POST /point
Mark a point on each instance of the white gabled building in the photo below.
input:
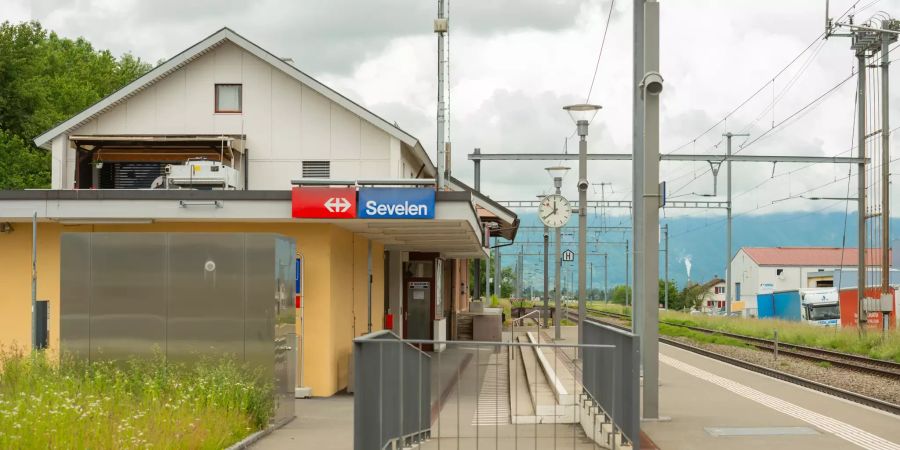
(789, 268)
(264, 123)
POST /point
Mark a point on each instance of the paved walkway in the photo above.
(470, 409)
(714, 405)
(321, 424)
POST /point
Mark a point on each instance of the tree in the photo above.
(674, 295)
(45, 79)
(691, 297)
(618, 294)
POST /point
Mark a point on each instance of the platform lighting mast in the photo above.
(442, 28)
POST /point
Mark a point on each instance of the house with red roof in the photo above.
(788, 268)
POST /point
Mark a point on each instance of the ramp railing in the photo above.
(612, 378)
(391, 404)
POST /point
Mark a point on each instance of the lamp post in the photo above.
(582, 114)
(557, 173)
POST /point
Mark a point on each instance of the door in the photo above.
(418, 309)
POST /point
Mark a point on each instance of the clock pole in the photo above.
(557, 315)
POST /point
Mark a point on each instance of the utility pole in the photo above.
(591, 277)
(886, 39)
(861, 188)
(477, 269)
(605, 280)
(546, 277)
(627, 281)
(651, 88)
(728, 136)
(557, 316)
(498, 287)
(442, 28)
(666, 285)
(34, 341)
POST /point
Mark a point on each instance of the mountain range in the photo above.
(696, 244)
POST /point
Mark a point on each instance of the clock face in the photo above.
(555, 211)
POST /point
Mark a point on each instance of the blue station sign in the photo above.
(395, 203)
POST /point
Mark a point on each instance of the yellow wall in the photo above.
(335, 271)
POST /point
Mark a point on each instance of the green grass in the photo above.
(871, 344)
(138, 404)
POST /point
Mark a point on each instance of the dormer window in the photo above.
(228, 98)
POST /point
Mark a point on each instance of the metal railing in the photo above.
(512, 327)
(616, 393)
(477, 396)
(391, 407)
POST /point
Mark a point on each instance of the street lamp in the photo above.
(557, 173)
(582, 114)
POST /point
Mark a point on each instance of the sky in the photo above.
(515, 63)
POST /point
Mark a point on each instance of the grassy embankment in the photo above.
(140, 404)
(871, 344)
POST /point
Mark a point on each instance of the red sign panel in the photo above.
(323, 203)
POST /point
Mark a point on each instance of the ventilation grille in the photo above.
(316, 169)
(130, 175)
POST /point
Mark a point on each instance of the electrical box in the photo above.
(201, 174)
(42, 324)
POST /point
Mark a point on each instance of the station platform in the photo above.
(713, 405)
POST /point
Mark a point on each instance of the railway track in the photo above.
(859, 363)
(831, 390)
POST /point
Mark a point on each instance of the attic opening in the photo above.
(154, 161)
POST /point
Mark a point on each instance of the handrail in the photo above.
(375, 335)
(512, 331)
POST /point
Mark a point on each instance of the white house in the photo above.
(788, 268)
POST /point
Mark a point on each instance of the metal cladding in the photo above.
(183, 295)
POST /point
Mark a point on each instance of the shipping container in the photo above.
(784, 305)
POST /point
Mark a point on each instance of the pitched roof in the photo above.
(810, 256)
(199, 49)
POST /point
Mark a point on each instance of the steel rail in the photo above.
(777, 374)
(850, 361)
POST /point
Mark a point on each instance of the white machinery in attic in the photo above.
(198, 174)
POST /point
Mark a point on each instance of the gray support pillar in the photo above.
(369, 286)
(861, 187)
(649, 302)
(395, 289)
(637, 175)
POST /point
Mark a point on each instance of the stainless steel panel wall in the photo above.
(128, 307)
(75, 284)
(186, 295)
(205, 296)
(285, 328)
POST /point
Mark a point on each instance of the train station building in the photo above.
(227, 137)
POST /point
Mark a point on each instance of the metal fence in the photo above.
(613, 378)
(391, 404)
(526, 394)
